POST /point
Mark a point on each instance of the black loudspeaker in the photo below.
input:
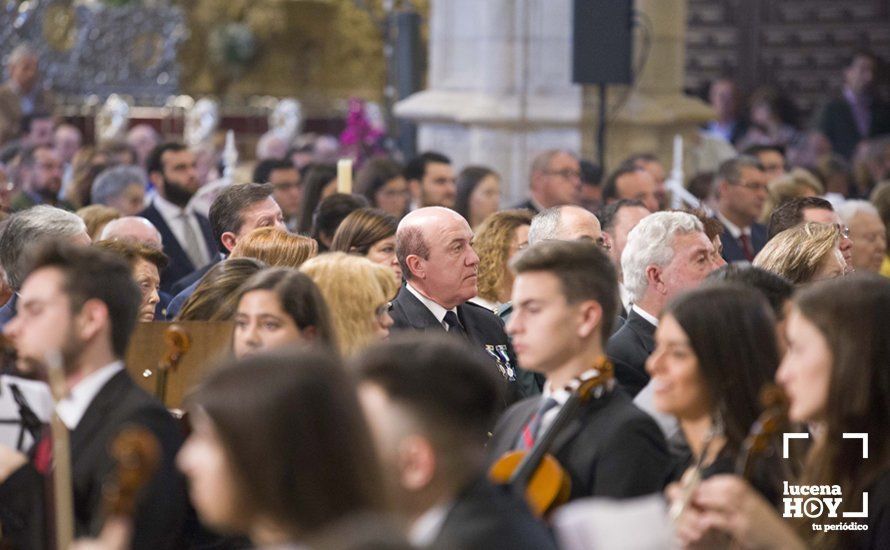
(602, 42)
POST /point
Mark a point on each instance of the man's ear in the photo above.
(416, 265)
(417, 463)
(92, 318)
(591, 317)
(653, 275)
(229, 240)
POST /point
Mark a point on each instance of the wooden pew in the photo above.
(209, 343)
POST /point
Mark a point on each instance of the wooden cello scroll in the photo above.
(138, 454)
(178, 342)
(63, 492)
(537, 476)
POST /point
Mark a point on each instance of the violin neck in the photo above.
(63, 496)
(542, 445)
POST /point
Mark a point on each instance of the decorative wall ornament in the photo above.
(112, 119)
(90, 48)
(201, 121)
(286, 119)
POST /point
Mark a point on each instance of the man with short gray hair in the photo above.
(565, 223)
(666, 253)
(555, 180)
(121, 188)
(22, 232)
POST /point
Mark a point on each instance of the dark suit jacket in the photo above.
(527, 205)
(611, 449)
(180, 265)
(190, 280)
(732, 248)
(485, 517)
(628, 350)
(159, 517)
(485, 331)
(836, 121)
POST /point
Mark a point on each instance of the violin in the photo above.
(177, 342)
(63, 491)
(138, 453)
(771, 421)
(536, 475)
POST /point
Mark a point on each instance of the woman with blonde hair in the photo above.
(499, 238)
(796, 183)
(96, 217)
(371, 233)
(804, 253)
(357, 292)
(275, 248)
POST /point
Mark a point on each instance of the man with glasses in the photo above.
(286, 187)
(742, 191)
(555, 180)
(811, 209)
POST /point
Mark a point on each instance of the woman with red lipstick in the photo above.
(836, 376)
(715, 350)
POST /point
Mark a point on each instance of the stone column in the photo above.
(500, 88)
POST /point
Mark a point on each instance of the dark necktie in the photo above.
(454, 325)
(747, 249)
(530, 432)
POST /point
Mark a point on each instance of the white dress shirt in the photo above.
(72, 408)
(171, 214)
(437, 310)
(645, 314)
(733, 229)
(427, 527)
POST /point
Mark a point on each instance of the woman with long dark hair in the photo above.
(837, 379)
(279, 450)
(478, 194)
(279, 307)
(711, 380)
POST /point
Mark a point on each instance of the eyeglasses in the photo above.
(751, 186)
(383, 310)
(843, 229)
(285, 186)
(567, 174)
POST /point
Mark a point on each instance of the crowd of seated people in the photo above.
(402, 361)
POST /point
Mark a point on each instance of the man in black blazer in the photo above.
(430, 404)
(652, 278)
(188, 239)
(555, 180)
(564, 299)
(235, 212)
(83, 302)
(856, 114)
(742, 192)
(439, 264)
